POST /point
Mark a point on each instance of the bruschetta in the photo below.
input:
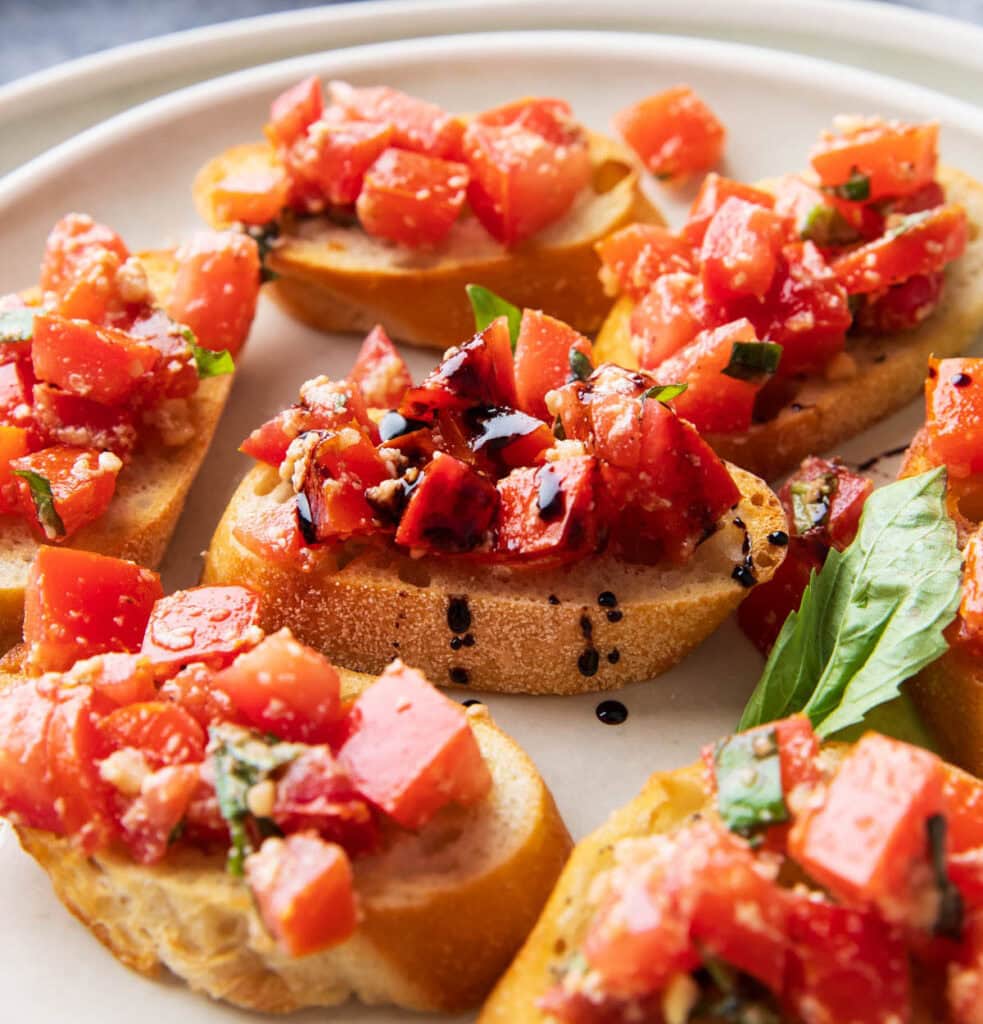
(851, 275)
(519, 522)
(113, 374)
(381, 207)
(276, 832)
(774, 881)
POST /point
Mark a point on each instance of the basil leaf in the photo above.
(749, 781)
(856, 188)
(488, 307)
(265, 236)
(874, 615)
(17, 325)
(912, 220)
(750, 360)
(44, 503)
(810, 502)
(826, 226)
(580, 366)
(951, 912)
(558, 430)
(665, 392)
(208, 362)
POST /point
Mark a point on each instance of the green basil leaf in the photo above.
(810, 502)
(872, 618)
(266, 237)
(488, 307)
(826, 226)
(44, 503)
(208, 362)
(749, 781)
(580, 366)
(558, 431)
(856, 188)
(750, 360)
(17, 325)
(665, 392)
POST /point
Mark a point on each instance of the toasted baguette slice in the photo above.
(889, 370)
(150, 491)
(339, 279)
(443, 911)
(525, 630)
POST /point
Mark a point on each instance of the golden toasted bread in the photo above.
(889, 369)
(495, 628)
(150, 491)
(337, 278)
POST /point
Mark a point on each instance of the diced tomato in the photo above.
(926, 198)
(636, 256)
(416, 124)
(380, 371)
(250, 196)
(14, 443)
(964, 988)
(829, 497)
(714, 192)
(479, 372)
(971, 605)
(845, 964)
(411, 199)
(869, 834)
(954, 413)
(674, 132)
(121, 677)
(542, 359)
(95, 293)
(272, 532)
(963, 794)
(284, 688)
(210, 624)
(332, 159)
(176, 372)
(896, 159)
(149, 823)
(15, 392)
(550, 512)
(82, 482)
(163, 732)
(269, 442)
(667, 319)
(304, 891)
(528, 164)
(78, 603)
(740, 250)
(316, 794)
(98, 363)
(70, 247)
(450, 510)
(64, 418)
(294, 110)
(500, 439)
(713, 401)
(411, 750)
(192, 690)
(902, 307)
(923, 243)
(216, 288)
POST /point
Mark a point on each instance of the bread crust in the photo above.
(889, 370)
(150, 491)
(339, 279)
(526, 630)
(416, 945)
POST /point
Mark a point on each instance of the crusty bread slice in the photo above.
(150, 491)
(339, 279)
(889, 370)
(525, 630)
(443, 910)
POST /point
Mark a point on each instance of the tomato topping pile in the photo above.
(406, 169)
(862, 248)
(813, 891)
(532, 457)
(184, 724)
(91, 366)
(823, 501)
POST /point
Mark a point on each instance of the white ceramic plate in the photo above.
(134, 172)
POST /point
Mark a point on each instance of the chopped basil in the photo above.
(750, 360)
(488, 307)
(949, 919)
(265, 236)
(826, 226)
(208, 362)
(44, 503)
(558, 432)
(856, 188)
(241, 759)
(810, 502)
(749, 781)
(580, 365)
(732, 996)
(912, 220)
(16, 325)
(665, 392)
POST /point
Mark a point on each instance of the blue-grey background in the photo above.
(35, 34)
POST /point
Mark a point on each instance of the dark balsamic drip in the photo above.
(881, 357)
(779, 538)
(589, 661)
(611, 712)
(305, 521)
(932, 373)
(470, 702)
(614, 656)
(553, 599)
(744, 574)
(458, 615)
(739, 523)
(586, 626)
(796, 407)
(468, 640)
(960, 380)
(456, 643)
(495, 429)
(890, 453)
(746, 543)
(459, 675)
(606, 599)
(615, 615)
(394, 425)
(550, 499)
